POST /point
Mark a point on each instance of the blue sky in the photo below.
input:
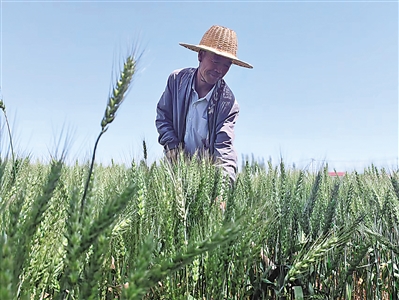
(324, 87)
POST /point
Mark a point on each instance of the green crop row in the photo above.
(182, 232)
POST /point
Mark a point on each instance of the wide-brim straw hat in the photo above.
(221, 41)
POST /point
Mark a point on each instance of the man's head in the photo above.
(221, 41)
(212, 67)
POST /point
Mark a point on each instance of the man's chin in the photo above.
(212, 80)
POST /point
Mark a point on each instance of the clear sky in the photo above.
(324, 87)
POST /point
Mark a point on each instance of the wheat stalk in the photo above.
(3, 108)
(115, 100)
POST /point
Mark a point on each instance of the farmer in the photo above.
(197, 111)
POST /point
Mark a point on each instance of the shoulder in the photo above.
(185, 72)
(181, 78)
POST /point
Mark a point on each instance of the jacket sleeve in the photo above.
(164, 119)
(224, 151)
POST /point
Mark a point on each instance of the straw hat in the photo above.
(222, 41)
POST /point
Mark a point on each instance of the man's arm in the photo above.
(224, 151)
(164, 119)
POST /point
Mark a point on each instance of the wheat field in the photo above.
(182, 231)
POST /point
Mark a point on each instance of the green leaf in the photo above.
(298, 293)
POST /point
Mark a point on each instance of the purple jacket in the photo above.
(222, 109)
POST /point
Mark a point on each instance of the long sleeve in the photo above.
(172, 108)
(224, 151)
(164, 119)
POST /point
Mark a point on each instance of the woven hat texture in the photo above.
(222, 41)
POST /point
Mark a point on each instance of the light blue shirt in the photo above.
(196, 135)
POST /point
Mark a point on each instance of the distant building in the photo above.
(337, 174)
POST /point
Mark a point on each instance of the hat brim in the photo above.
(234, 59)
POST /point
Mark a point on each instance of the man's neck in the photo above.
(201, 86)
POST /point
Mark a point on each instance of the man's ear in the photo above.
(200, 55)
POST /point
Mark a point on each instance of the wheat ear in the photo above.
(318, 250)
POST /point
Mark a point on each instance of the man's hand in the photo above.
(171, 154)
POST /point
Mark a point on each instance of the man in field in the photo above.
(197, 111)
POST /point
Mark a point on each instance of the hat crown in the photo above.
(220, 38)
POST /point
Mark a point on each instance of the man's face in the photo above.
(212, 67)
